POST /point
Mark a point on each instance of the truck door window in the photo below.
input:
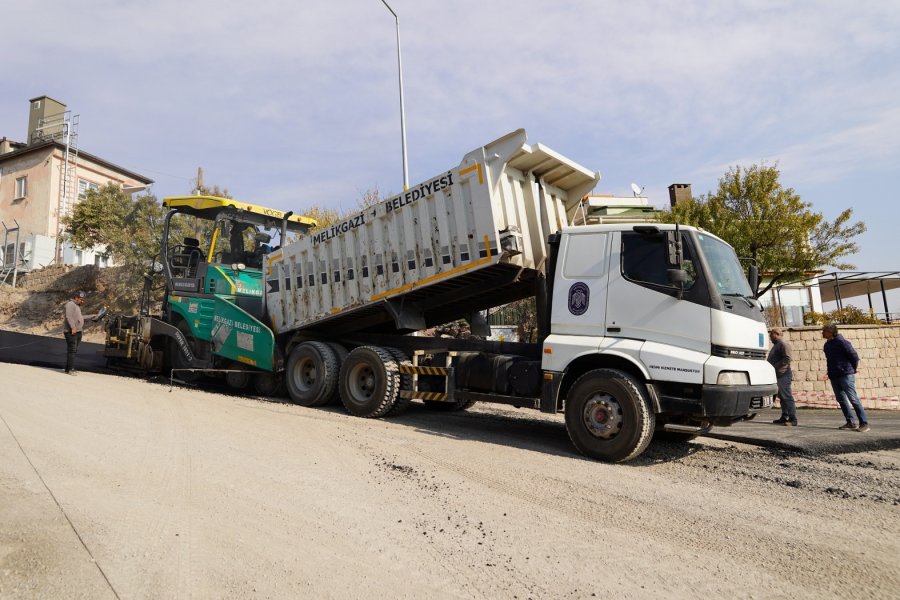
(644, 260)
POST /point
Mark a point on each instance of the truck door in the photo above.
(579, 292)
(643, 305)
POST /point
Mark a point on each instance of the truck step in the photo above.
(686, 428)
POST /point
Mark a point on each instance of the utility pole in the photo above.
(402, 108)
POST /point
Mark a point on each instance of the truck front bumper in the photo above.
(720, 404)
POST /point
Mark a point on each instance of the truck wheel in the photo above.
(268, 385)
(311, 374)
(608, 416)
(369, 382)
(401, 405)
(340, 354)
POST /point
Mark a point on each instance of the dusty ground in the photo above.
(115, 487)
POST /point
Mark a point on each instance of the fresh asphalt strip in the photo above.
(816, 433)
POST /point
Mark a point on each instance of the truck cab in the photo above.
(670, 308)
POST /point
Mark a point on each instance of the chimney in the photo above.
(45, 119)
(679, 192)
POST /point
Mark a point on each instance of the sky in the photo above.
(295, 103)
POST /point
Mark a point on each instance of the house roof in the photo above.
(81, 153)
(850, 284)
(842, 285)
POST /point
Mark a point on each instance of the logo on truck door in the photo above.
(579, 298)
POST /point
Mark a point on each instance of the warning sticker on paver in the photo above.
(244, 341)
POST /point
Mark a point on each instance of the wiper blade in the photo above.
(750, 301)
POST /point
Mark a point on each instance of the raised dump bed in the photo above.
(467, 239)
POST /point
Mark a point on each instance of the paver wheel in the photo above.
(369, 382)
(311, 374)
(608, 416)
(238, 376)
(268, 384)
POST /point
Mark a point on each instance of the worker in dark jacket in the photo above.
(781, 356)
(842, 362)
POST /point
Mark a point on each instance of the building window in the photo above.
(84, 186)
(21, 187)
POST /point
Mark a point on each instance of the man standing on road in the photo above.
(780, 356)
(842, 362)
(73, 324)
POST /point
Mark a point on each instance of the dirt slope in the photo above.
(35, 305)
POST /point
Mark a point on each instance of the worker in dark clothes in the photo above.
(843, 361)
(781, 356)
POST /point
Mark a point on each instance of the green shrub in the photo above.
(849, 315)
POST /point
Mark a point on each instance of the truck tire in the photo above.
(369, 382)
(608, 416)
(340, 354)
(311, 374)
(401, 405)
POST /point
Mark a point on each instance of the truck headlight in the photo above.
(733, 378)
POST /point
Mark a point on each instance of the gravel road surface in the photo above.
(113, 487)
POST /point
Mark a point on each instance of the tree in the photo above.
(770, 224)
(129, 228)
(326, 216)
(216, 191)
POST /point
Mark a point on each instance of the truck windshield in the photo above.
(724, 266)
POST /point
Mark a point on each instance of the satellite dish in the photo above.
(636, 189)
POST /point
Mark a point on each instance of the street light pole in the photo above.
(402, 108)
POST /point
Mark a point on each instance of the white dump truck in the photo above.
(643, 328)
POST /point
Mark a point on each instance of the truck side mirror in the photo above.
(677, 277)
(754, 280)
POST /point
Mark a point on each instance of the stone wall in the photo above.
(878, 377)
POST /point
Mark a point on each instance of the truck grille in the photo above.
(729, 352)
